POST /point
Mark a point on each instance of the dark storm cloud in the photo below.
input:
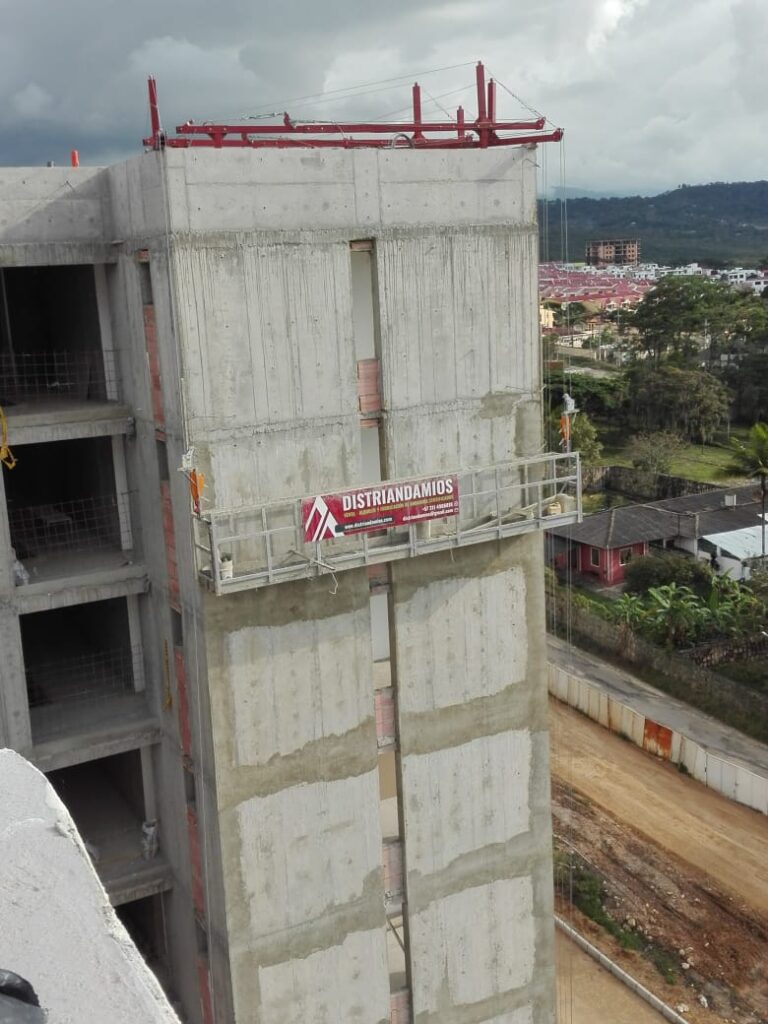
(651, 93)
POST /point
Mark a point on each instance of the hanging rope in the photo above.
(6, 455)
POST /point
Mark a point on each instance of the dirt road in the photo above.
(588, 994)
(725, 840)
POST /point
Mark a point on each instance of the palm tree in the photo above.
(675, 614)
(751, 459)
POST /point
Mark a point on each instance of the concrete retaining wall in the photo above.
(732, 780)
(732, 703)
(650, 486)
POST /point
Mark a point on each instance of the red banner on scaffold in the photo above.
(379, 506)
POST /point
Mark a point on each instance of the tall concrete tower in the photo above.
(321, 488)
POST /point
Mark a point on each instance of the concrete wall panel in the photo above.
(345, 983)
(443, 439)
(297, 682)
(278, 190)
(138, 198)
(469, 671)
(269, 368)
(267, 333)
(292, 702)
(473, 945)
(48, 205)
(459, 349)
(15, 729)
(304, 459)
(462, 799)
(455, 313)
(462, 638)
(232, 206)
(308, 849)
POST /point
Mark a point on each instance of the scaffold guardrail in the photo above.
(261, 545)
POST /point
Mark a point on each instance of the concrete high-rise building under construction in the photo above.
(298, 714)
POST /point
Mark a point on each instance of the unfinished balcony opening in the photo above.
(65, 513)
(108, 799)
(51, 349)
(144, 920)
(84, 674)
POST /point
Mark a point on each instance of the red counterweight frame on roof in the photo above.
(481, 133)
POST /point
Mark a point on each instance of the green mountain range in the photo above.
(721, 223)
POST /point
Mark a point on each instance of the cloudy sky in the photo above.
(651, 93)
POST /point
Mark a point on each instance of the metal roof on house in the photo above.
(741, 544)
(619, 527)
(692, 515)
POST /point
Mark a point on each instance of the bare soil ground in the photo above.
(686, 870)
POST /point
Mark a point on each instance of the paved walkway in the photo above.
(653, 704)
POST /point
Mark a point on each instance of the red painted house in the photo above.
(604, 543)
(607, 564)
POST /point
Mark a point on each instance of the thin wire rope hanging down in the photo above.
(545, 205)
(560, 623)
(564, 201)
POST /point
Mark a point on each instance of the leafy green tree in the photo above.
(569, 313)
(630, 615)
(758, 583)
(658, 570)
(751, 459)
(693, 403)
(674, 614)
(681, 316)
(584, 437)
(732, 610)
(747, 378)
(585, 440)
(671, 315)
(601, 396)
(655, 452)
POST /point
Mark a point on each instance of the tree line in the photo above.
(698, 359)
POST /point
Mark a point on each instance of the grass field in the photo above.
(705, 463)
(602, 500)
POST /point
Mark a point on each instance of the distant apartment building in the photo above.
(613, 252)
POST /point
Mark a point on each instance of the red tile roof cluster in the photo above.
(561, 284)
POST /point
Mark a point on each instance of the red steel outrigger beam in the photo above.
(415, 134)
